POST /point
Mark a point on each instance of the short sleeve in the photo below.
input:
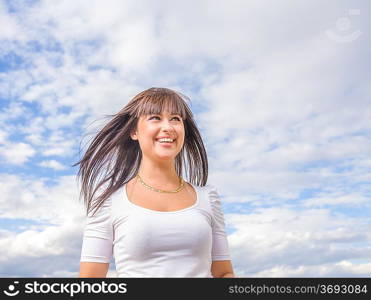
(220, 248)
(97, 244)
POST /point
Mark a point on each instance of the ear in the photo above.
(133, 135)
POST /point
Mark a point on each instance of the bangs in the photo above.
(157, 100)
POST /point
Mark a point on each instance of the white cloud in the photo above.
(17, 153)
(3, 136)
(58, 219)
(14, 111)
(35, 199)
(353, 199)
(284, 242)
(9, 26)
(59, 143)
(53, 164)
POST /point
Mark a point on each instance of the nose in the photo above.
(167, 126)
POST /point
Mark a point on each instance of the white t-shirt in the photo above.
(150, 243)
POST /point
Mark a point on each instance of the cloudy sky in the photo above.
(281, 94)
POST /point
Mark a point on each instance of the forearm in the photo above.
(228, 275)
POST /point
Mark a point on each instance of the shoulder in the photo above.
(101, 210)
(106, 208)
(215, 206)
(211, 192)
(210, 196)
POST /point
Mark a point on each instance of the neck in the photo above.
(159, 175)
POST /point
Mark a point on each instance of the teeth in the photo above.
(165, 140)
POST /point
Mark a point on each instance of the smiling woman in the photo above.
(140, 210)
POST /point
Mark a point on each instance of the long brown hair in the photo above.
(113, 158)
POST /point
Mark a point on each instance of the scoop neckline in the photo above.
(160, 211)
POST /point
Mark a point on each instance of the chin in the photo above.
(166, 157)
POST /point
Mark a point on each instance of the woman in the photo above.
(140, 210)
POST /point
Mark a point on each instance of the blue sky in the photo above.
(281, 94)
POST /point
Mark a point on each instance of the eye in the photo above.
(159, 118)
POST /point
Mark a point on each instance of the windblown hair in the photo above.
(113, 158)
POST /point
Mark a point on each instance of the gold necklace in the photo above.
(162, 191)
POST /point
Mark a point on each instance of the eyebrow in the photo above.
(162, 114)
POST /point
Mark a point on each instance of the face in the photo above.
(152, 127)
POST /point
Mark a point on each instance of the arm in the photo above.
(222, 269)
(93, 269)
(97, 245)
(221, 266)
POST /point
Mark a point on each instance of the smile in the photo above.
(165, 142)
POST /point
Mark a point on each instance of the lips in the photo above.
(157, 140)
(165, 138)
(165, 144)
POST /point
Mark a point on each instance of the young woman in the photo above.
(139, 209)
